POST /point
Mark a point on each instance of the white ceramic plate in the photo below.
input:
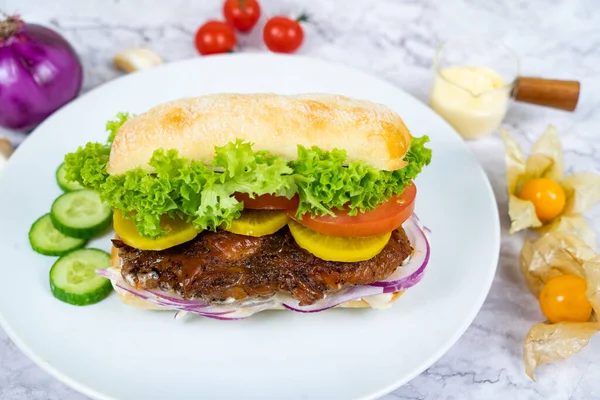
(112, 351)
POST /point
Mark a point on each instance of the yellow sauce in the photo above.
(473, 100)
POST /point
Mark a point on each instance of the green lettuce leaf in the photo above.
(326, 181)
(113, 126)
(88, 165)
(180, 187)
(201, 194)
(417, 157)
(171, 190)
(253, 172)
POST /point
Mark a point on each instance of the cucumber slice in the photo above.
(80, 214)
(46, 240)
(73, 278)
(65, 185)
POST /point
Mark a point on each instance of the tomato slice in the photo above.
(267, 202)
(382, 219)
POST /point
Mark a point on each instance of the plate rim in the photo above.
(423, 365)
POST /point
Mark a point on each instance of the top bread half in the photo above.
(369, 132)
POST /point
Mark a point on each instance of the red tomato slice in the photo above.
(267, 202)
(382, 219)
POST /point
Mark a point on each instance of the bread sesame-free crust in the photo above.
(368, 132)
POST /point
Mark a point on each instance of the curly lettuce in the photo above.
(327, 182)
(202, 195)
(182, 188)
(253, 172)
(88, 164)
(113, 126)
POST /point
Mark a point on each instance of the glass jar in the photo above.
(473, 83)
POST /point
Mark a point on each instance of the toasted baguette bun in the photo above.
(368, 132)
(134, 301)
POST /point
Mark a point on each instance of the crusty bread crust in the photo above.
(134, 301)
(368, 131)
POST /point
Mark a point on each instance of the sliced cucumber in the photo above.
(47, 240)
(80, 214)
(73, 278)
(66, 185)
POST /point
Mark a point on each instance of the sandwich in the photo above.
(225, 205)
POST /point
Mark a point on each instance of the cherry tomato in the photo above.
(215, 37)
(563, 299)
(283, 35)
(381, 220)
(547, 196)
(241, 14)
(267, 202)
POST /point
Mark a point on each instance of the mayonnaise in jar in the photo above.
(474, 100)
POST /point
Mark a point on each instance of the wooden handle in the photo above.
(548, 92)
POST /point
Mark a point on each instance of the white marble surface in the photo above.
(396, 40)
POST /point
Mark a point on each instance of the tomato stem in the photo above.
(304, 17)
(243, 4)
(10, 26)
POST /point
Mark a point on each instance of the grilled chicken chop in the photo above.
(217, 266)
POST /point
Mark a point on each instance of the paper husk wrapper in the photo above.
(547, 343)
(582, 190)
(558, 253)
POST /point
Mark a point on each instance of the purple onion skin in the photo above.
(39, 73)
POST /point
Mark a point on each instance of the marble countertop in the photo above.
(395, 40)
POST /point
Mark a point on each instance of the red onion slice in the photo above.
(410, 274)
(234, 311)
(179, 300)
(403, 278)
(109, 273)
(243, 313)
(353, 293)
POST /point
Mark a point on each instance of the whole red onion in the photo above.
(39, 73)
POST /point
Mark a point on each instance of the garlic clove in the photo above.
(6, 149)
(135, 59)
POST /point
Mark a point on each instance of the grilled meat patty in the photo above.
(217, 266)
